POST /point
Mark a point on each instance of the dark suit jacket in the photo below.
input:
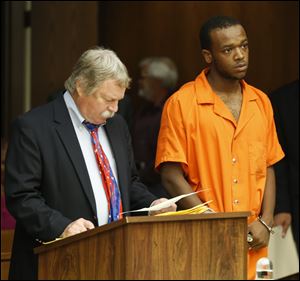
(47, 182)
(285, 103)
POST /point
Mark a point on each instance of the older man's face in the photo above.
(102, 104)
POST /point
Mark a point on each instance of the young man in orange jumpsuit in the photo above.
(218, 135)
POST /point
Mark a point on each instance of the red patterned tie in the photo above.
(108, 180)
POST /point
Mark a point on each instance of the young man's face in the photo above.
(229, 51)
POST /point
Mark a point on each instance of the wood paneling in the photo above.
(61, 31)
(135, 29)
(12, 63)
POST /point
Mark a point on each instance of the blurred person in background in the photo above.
(158, 79)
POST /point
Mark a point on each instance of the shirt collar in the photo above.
(206, 95)
(73, 109)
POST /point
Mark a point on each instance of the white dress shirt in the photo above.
(84, 139)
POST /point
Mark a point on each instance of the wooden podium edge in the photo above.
(138, 219)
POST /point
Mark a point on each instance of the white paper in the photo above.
(283, 253)
(164, 204)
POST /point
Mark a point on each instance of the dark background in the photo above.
(62, 30)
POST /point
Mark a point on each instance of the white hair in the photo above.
(162, 68)
(95, 66)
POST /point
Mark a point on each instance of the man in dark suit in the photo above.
(54, 187)
(285, 103)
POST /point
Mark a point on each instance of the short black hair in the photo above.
(211, 24)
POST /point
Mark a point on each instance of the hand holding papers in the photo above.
(199, 209)
(164, 204)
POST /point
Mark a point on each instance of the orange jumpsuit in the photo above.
(226, 157)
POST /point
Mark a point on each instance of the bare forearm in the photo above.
(268, 205)
(175, 183)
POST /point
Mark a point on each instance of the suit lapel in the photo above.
(117, 143)
(70, 142)
(116, 146)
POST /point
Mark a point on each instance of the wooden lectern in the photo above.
(201, 247)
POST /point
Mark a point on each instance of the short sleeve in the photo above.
(274, 150)
(171, 144)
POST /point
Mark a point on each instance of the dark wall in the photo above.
(135, 29)
(12, 62)
(62, 30)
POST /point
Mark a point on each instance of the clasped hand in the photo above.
(260, 235)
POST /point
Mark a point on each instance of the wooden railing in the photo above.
(6, 245)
